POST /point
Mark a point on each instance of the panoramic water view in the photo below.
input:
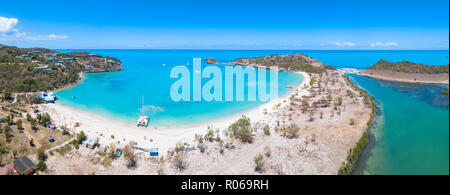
(147, 74)
(224, 88)
(409, 135)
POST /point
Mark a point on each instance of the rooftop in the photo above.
(23, 164)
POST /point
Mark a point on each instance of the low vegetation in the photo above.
(18, 71)
(130, 158)
(290, 131)
(259, 164)
(241, 129)
(408, 67)
(294, 62)
(353, 154)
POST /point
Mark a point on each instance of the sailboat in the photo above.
(143, 120)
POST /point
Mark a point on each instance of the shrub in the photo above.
(267, 130)
(19, 124)
(267, 151)
(179, 161)
(41, 153)
(81, 137)
(305, 106)
(29, 118)
(259, 165)
(210, 134)
(7, 131)
(128, 153)
(290, 131)
(41, 166)
(352, 121)
(199, 138)
(241, 129)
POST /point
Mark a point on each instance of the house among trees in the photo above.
(24, 166)
(42, 68)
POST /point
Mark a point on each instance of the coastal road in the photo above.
(60, 145)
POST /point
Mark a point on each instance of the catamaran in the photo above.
(143, 120)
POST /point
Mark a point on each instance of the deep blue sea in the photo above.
(410, 134)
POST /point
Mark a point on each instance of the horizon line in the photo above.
(248, 49)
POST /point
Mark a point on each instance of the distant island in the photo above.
(406, 71)
(287, 63)
(211, 61)
(40, 69)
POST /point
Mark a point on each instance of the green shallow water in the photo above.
(410, 134)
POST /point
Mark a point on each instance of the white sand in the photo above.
(103, 128)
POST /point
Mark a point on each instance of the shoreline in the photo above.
(68, 86)
(403, 80)
(320, 147)
(163, 137)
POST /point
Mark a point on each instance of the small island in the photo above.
(40, 69)
(211, 61)
(286, 63)
(406, 71)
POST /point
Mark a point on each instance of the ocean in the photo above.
(410, 133)
(118, 95)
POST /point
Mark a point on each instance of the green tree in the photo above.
(6, 94)
(10, 119)
(33, 124)
(41, 166)
(19, 124)
(41, 153)
(241, 129)
(259, 166)
(128, 153)
(29, 118)
(305, 106)
(81, 137)
(352, 121)
(267, 130)
(8, 135)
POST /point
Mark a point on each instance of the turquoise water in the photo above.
(411, 131)
(118, 94)
(410, 134)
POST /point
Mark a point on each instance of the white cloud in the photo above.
(387, 44)
(46, 37)
(7, 24)
(8, 32)
(348, 44)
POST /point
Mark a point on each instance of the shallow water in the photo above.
(118, 95)
(410, 132)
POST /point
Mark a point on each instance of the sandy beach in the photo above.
(321, 146)
(405, 77)
(109, 131)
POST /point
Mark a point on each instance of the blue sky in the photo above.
(226, 24)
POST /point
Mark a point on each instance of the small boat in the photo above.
(290, 86)
(143, 120)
